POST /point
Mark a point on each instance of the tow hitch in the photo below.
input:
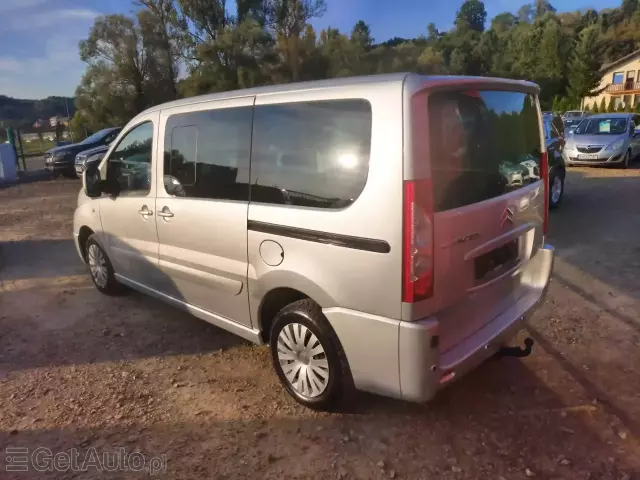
(517, 351)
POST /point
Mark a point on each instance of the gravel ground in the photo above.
(81, 370)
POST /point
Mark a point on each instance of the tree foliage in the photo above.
(172, 48)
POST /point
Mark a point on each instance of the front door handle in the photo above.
(145, 212)
(165, 212)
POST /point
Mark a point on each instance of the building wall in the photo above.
(632, 65)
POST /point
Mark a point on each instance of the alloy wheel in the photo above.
(98, 265)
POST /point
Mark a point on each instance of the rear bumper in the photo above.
(402, 359)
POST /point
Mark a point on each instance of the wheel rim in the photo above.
(556, 189)
(98, 265)
(303, 360)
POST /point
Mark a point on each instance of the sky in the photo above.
(39, 38)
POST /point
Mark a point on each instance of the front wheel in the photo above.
(100, 268)
(308, 357)
(556, 189)
(625, 161)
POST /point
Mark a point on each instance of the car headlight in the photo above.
(617, 145)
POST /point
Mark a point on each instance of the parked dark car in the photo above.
(87, 157)
(60, 160)
(555, 140)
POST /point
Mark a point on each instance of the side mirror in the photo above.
(173, 186)
(91, 180)
(94, 186)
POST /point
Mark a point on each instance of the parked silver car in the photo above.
(604, 139)
(367, 229)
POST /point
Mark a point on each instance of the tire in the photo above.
(625, 162)
(555, 198)
(329, 385)
(96, 256)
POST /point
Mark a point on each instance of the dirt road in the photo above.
(81, 370)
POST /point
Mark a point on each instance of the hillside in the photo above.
(23, 113)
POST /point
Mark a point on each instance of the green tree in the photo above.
(162, 28)
(115, 49)
(78, 126)
(594, 107)
(525, 13)
(433, 35)
(584, 67)
(361, 35)
(629, 7)
(603, 105)
(288, 20)
(503, 22)
(472, 14)
(541, 7)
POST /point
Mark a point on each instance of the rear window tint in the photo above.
(483, 145)
(313, 154)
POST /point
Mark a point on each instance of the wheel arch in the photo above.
(83, 235)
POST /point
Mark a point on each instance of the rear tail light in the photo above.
(417, 264)
(544, 165)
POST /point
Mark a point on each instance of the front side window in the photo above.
(207, 154)
(483, 145)
(130, 163)
(311, 154)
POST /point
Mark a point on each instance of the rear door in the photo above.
(485, 153)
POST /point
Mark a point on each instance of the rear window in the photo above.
(312, 154)
(483, 145)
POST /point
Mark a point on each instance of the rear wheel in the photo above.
(308, 357)
(556, 189)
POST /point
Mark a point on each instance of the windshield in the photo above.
(96, 137)
(602, 126)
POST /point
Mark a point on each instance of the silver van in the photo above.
(382, 233)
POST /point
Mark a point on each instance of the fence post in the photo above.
(24, 161)
(12, 141)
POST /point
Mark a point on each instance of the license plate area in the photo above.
(587, 156)
(495, 263)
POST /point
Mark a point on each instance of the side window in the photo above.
(312, 154)
(130, 162)
(553, 131)
(207, 154)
